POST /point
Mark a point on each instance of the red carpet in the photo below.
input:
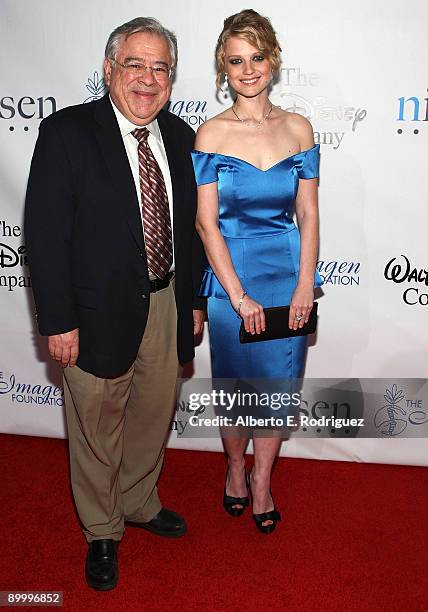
(353, 538)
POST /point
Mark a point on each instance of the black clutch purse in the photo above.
(277, 325)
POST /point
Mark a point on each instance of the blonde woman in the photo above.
(253, 164)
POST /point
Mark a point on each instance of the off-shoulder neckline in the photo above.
(244, 161)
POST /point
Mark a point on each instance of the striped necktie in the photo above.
(154, 202)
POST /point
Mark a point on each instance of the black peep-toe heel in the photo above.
(230, 503)
(272, 515)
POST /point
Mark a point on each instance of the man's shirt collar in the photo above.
(126, 127)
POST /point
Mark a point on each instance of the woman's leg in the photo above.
(235, 442)
(265, 451)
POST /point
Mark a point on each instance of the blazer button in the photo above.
(144, 296)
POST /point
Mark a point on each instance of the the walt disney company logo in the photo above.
(402, 271)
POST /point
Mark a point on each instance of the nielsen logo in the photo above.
(27, 107)
(411, 109)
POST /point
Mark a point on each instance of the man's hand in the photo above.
(65, 347)
(198, 321)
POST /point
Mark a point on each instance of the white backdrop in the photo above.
(359, 75)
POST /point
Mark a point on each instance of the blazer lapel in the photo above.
(114, 153)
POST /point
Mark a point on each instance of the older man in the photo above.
(115, 267)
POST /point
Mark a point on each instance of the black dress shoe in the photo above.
(166, 523)
(101, 565)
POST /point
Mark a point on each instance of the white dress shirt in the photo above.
(158, 149)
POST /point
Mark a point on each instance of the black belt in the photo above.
(160, 283)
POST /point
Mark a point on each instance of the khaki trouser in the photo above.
(117, 428)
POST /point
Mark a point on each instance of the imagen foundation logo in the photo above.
(193, 112)
(96, 87)
(23, 392)
(339, 272)
(398, 412)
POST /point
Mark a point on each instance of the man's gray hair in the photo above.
(141, 24)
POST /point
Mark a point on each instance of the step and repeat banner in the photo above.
(359, 75)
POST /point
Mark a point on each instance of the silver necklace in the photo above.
(258, 123)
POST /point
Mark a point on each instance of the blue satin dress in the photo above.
(256, 220)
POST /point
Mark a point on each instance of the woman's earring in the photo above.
(225, 85)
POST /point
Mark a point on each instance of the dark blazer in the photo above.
(85, 239)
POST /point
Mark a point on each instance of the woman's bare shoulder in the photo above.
(300, 127)
(211, 133)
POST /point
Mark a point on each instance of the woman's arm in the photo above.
(308, 222)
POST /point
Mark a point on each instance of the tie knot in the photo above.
(141, 134)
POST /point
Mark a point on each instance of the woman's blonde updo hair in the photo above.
(256, 30)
